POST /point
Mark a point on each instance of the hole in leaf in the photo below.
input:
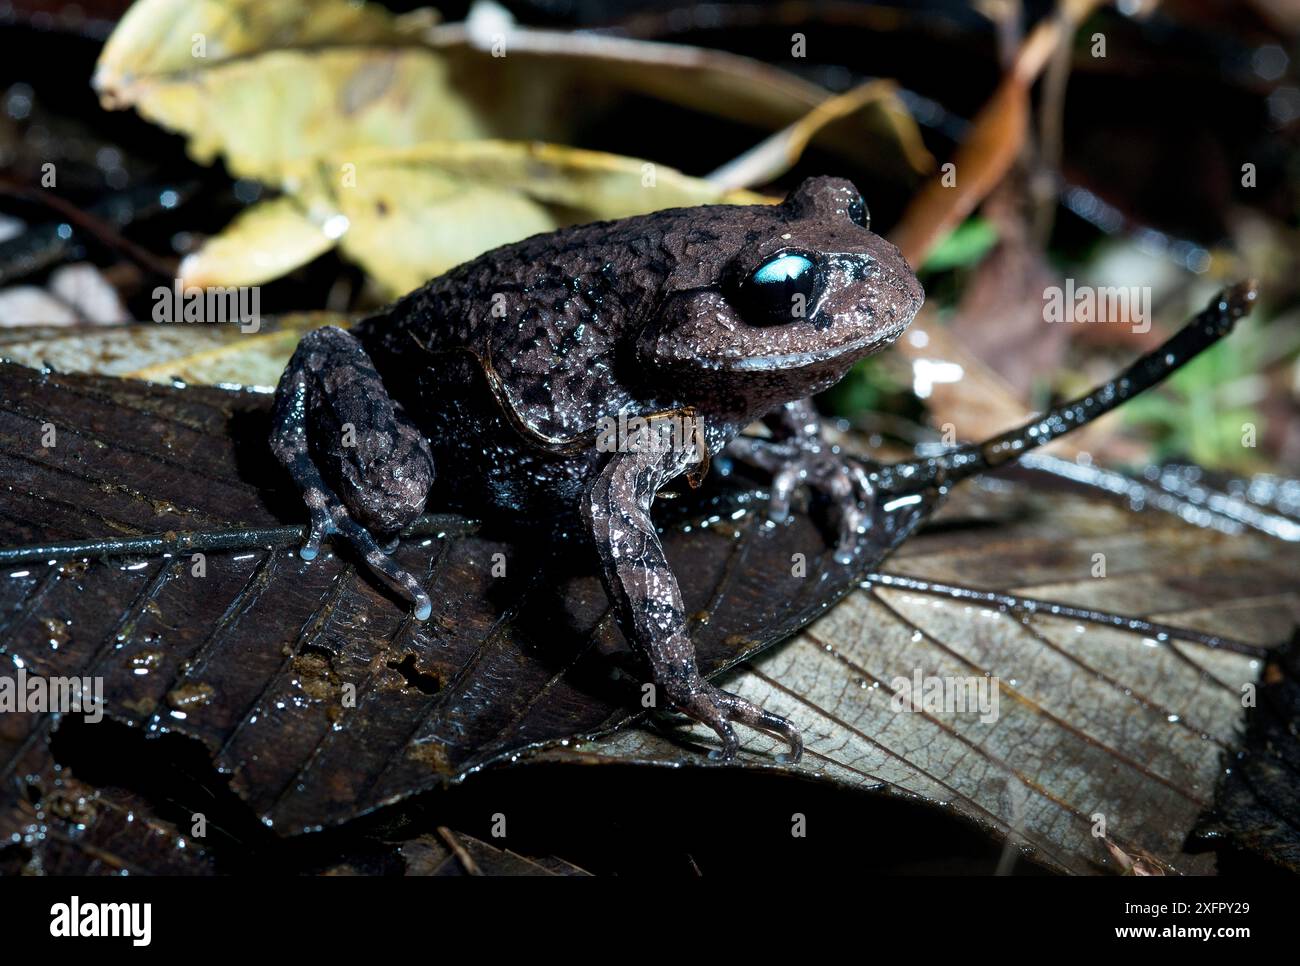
(415, 678)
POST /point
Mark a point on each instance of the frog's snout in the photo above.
(911, 294)
(899, 292)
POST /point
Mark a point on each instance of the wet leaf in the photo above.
(449, 853)
(257, 655)
(1129, 723)
(254, 658)
(1257, 809)
(72, 828)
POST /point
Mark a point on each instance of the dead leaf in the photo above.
(1129, 723)
(196, 353)
(407, 215)
(981, 403)
(265, 241)
(279, 108)
(302, 100)
(164, 38)
(773, 157)
(1259, 798)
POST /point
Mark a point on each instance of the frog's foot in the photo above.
(717, 709)
(825, 469)
(329, 517)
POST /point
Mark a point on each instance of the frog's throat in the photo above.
(561, 445)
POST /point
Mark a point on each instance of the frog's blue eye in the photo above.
(779, 290)
(783, 270)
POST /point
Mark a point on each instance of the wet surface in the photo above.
(309, 684)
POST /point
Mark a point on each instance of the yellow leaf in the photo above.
(196, 353)
(417, 223)
(156, 38)
(265, 241)
(407, 215)
(231, 357)
(267, 113)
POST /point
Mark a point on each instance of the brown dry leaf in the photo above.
(544, 68)
(981, 403)
(999, 316)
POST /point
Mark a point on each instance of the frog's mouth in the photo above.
(903, 301)
(867, 345)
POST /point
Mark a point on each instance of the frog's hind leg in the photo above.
(361, 464)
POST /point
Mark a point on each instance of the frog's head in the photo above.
(799, 294)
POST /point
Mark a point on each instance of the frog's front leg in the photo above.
(798, 454)
(645, 595)
(361, 464)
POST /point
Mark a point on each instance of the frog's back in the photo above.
(543, 318)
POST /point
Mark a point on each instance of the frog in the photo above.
(570, 378)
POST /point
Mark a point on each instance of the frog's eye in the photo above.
(779, 290)
(858, 213)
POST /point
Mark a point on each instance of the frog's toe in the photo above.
(401, 580)
(784, 483)
(322, 523)
(854, 521)
(718, 709)
(850, 493)
(747, 713)
(331, 517)
(730, 741)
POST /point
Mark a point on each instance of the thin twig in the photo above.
(946, 469)
(462, 856)
(188, 541)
